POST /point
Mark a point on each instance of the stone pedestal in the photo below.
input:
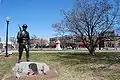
(22, 69)
(20, 72)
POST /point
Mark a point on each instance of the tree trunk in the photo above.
(99, 47)
(92, 50)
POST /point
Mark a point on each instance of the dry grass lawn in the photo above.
(72, 66)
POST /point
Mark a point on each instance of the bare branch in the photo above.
(90, 18)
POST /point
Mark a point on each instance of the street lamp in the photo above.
(7, 21)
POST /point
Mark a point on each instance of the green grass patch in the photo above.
(72, 66)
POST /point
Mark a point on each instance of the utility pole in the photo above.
(7, 21)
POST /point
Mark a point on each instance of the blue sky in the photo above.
(39, 15)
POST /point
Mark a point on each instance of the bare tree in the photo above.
(60, 30)
(89, 19)
(33, 37)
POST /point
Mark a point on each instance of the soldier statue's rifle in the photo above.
(19, 27)
(18, 36)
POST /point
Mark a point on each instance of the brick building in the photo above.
(109, 39)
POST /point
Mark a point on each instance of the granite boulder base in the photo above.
(23, 69)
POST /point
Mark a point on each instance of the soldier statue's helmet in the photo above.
(24, 26)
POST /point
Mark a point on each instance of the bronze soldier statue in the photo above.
(23, 40)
